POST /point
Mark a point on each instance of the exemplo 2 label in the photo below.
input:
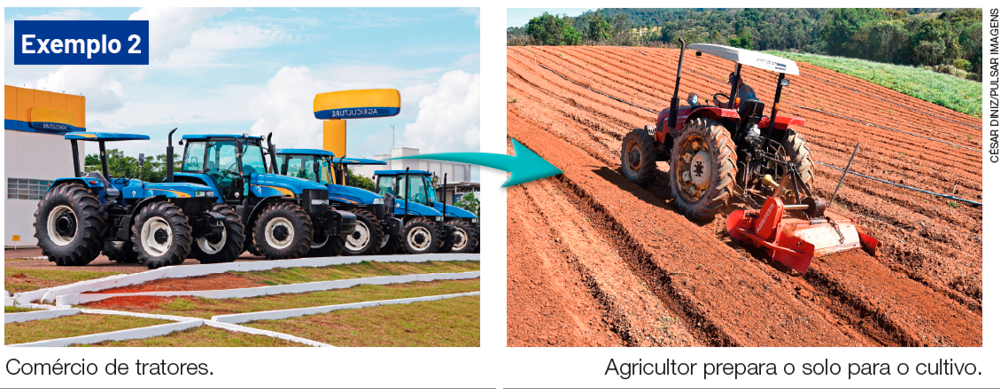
(81, 42)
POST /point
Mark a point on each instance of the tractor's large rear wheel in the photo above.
(69, 224)
(702, 169)
(638, 157)
(161, 235)
(225, 246)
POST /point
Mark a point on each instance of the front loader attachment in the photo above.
(795, 240)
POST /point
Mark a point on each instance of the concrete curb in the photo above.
(287, 313)
(136, 314)
(49, 294)
(22, 317)
(134, 333)
(255, 331)
(77, 298)
(8, 301)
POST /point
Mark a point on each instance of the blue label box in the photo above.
(81, 42)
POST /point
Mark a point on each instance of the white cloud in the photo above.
(172, 28)
(468, 59)
(286, 108)
(97, 83)
(449, 117)
(472, 11)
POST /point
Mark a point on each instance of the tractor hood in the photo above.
(135, 189)
(415, 209)
(454, 211)
(347, 194)
(266, 185)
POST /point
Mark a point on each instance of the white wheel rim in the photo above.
(148, 236)
(363, 237)
(54, 236)
(270, 228)
(317, 244)
(701, 171)
(385, 240)
(411, 238)
(463, 239)
(211, 248)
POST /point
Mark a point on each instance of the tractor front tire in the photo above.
(161, 235)
(393, 245)
(225, 246)
(420, 236)
(121, 252)
(283, 231)
(465, 239)
(638, 157)
(367, 236)
(69, 224)
(331, 246)
(702, 169)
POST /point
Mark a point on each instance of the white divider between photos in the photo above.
(21, 317)
(287, 313)
(49, 294)
(80, 298)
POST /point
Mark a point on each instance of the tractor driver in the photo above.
(743, 91)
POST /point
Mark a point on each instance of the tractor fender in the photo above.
(781, 122)
(126, 226)
(714, 113)
(257, 209)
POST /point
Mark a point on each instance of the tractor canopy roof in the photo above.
(104, 136)
(206, 136)
(305, 152)
(399, 172)
(749, 57)
(359, 161)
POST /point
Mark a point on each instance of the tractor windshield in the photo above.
(300, 166)
(431, 193)
(387, 184)
(253, 158)
(323, 170)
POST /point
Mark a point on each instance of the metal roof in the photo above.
(359, 161)
(104, 136)
(206, 136)
(305, 152)
(398, 172)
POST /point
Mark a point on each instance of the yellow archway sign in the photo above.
(335, 107)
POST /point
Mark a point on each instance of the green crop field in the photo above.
(965, 96)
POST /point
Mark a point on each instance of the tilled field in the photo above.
(596, 260)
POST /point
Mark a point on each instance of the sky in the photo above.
(255, 71)
(519, 17)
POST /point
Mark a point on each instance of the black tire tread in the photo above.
(723, 184)
(90, 221)
(298, 249)
(647, 164)
(431, 226)
(374, 228)
(181, 229)
(234, 238)
(470, 232)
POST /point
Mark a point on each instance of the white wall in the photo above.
(457, 172)
(37, 156)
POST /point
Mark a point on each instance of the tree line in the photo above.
(948, 41)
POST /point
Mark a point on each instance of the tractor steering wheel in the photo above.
(718, 103)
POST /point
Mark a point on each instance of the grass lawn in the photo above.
(357, 270)
(7, 309)
(203, 336)
(955, 93)
(451, 322)
(206, 308)
(26, 280)
(69, 326)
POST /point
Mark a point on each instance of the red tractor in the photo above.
(730, 150)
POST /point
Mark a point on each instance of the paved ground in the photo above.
(100, 264)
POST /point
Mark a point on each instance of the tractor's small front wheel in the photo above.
(367, 236)
(283, 231)
(121, 252)
(224, 246)
(464, 239)
(638, 157)
(420, 236)
(702, 169)
(161, 235)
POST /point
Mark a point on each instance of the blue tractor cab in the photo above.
(375, 226)
(286, 217)
(126, 218)
(461, 226)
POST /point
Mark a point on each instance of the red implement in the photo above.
(794, 241)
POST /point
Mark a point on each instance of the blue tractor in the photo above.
(284, 217)
(460, 227)
(375, 226)
(128, 219)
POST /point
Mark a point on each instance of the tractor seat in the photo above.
(751, 111)
(109, 189)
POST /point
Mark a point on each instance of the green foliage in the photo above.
(470, 203)
(354, 180)
(550, 30)
(600, 29)
(120, 166)
(960, 95)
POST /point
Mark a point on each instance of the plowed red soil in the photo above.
(208, 282)
(613, 240)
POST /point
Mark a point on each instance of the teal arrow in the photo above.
(525, 166)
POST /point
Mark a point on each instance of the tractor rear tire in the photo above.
(420, 236)
(367, 236)
(707, 154)
(798, 151)
(225, 246)
(638, 157)
(283, 231)
(121, 252)
(465, 239)
(161, 235)
(69, 224)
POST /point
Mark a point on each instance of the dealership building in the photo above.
(459, 174)
(35, 153)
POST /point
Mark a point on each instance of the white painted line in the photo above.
(255, 331)
(287, 313)
(49, 294)
(135, 333)
(76, 299)
(22, 317)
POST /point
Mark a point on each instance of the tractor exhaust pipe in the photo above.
(444, 204)
(170, 156)
(672, 119)
(270, 151)
(406, 193)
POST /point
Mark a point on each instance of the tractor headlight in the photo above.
(204, 193)
(378, 201)
(320, 202)
(693, 99)
(473, 221)
(439, 218)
